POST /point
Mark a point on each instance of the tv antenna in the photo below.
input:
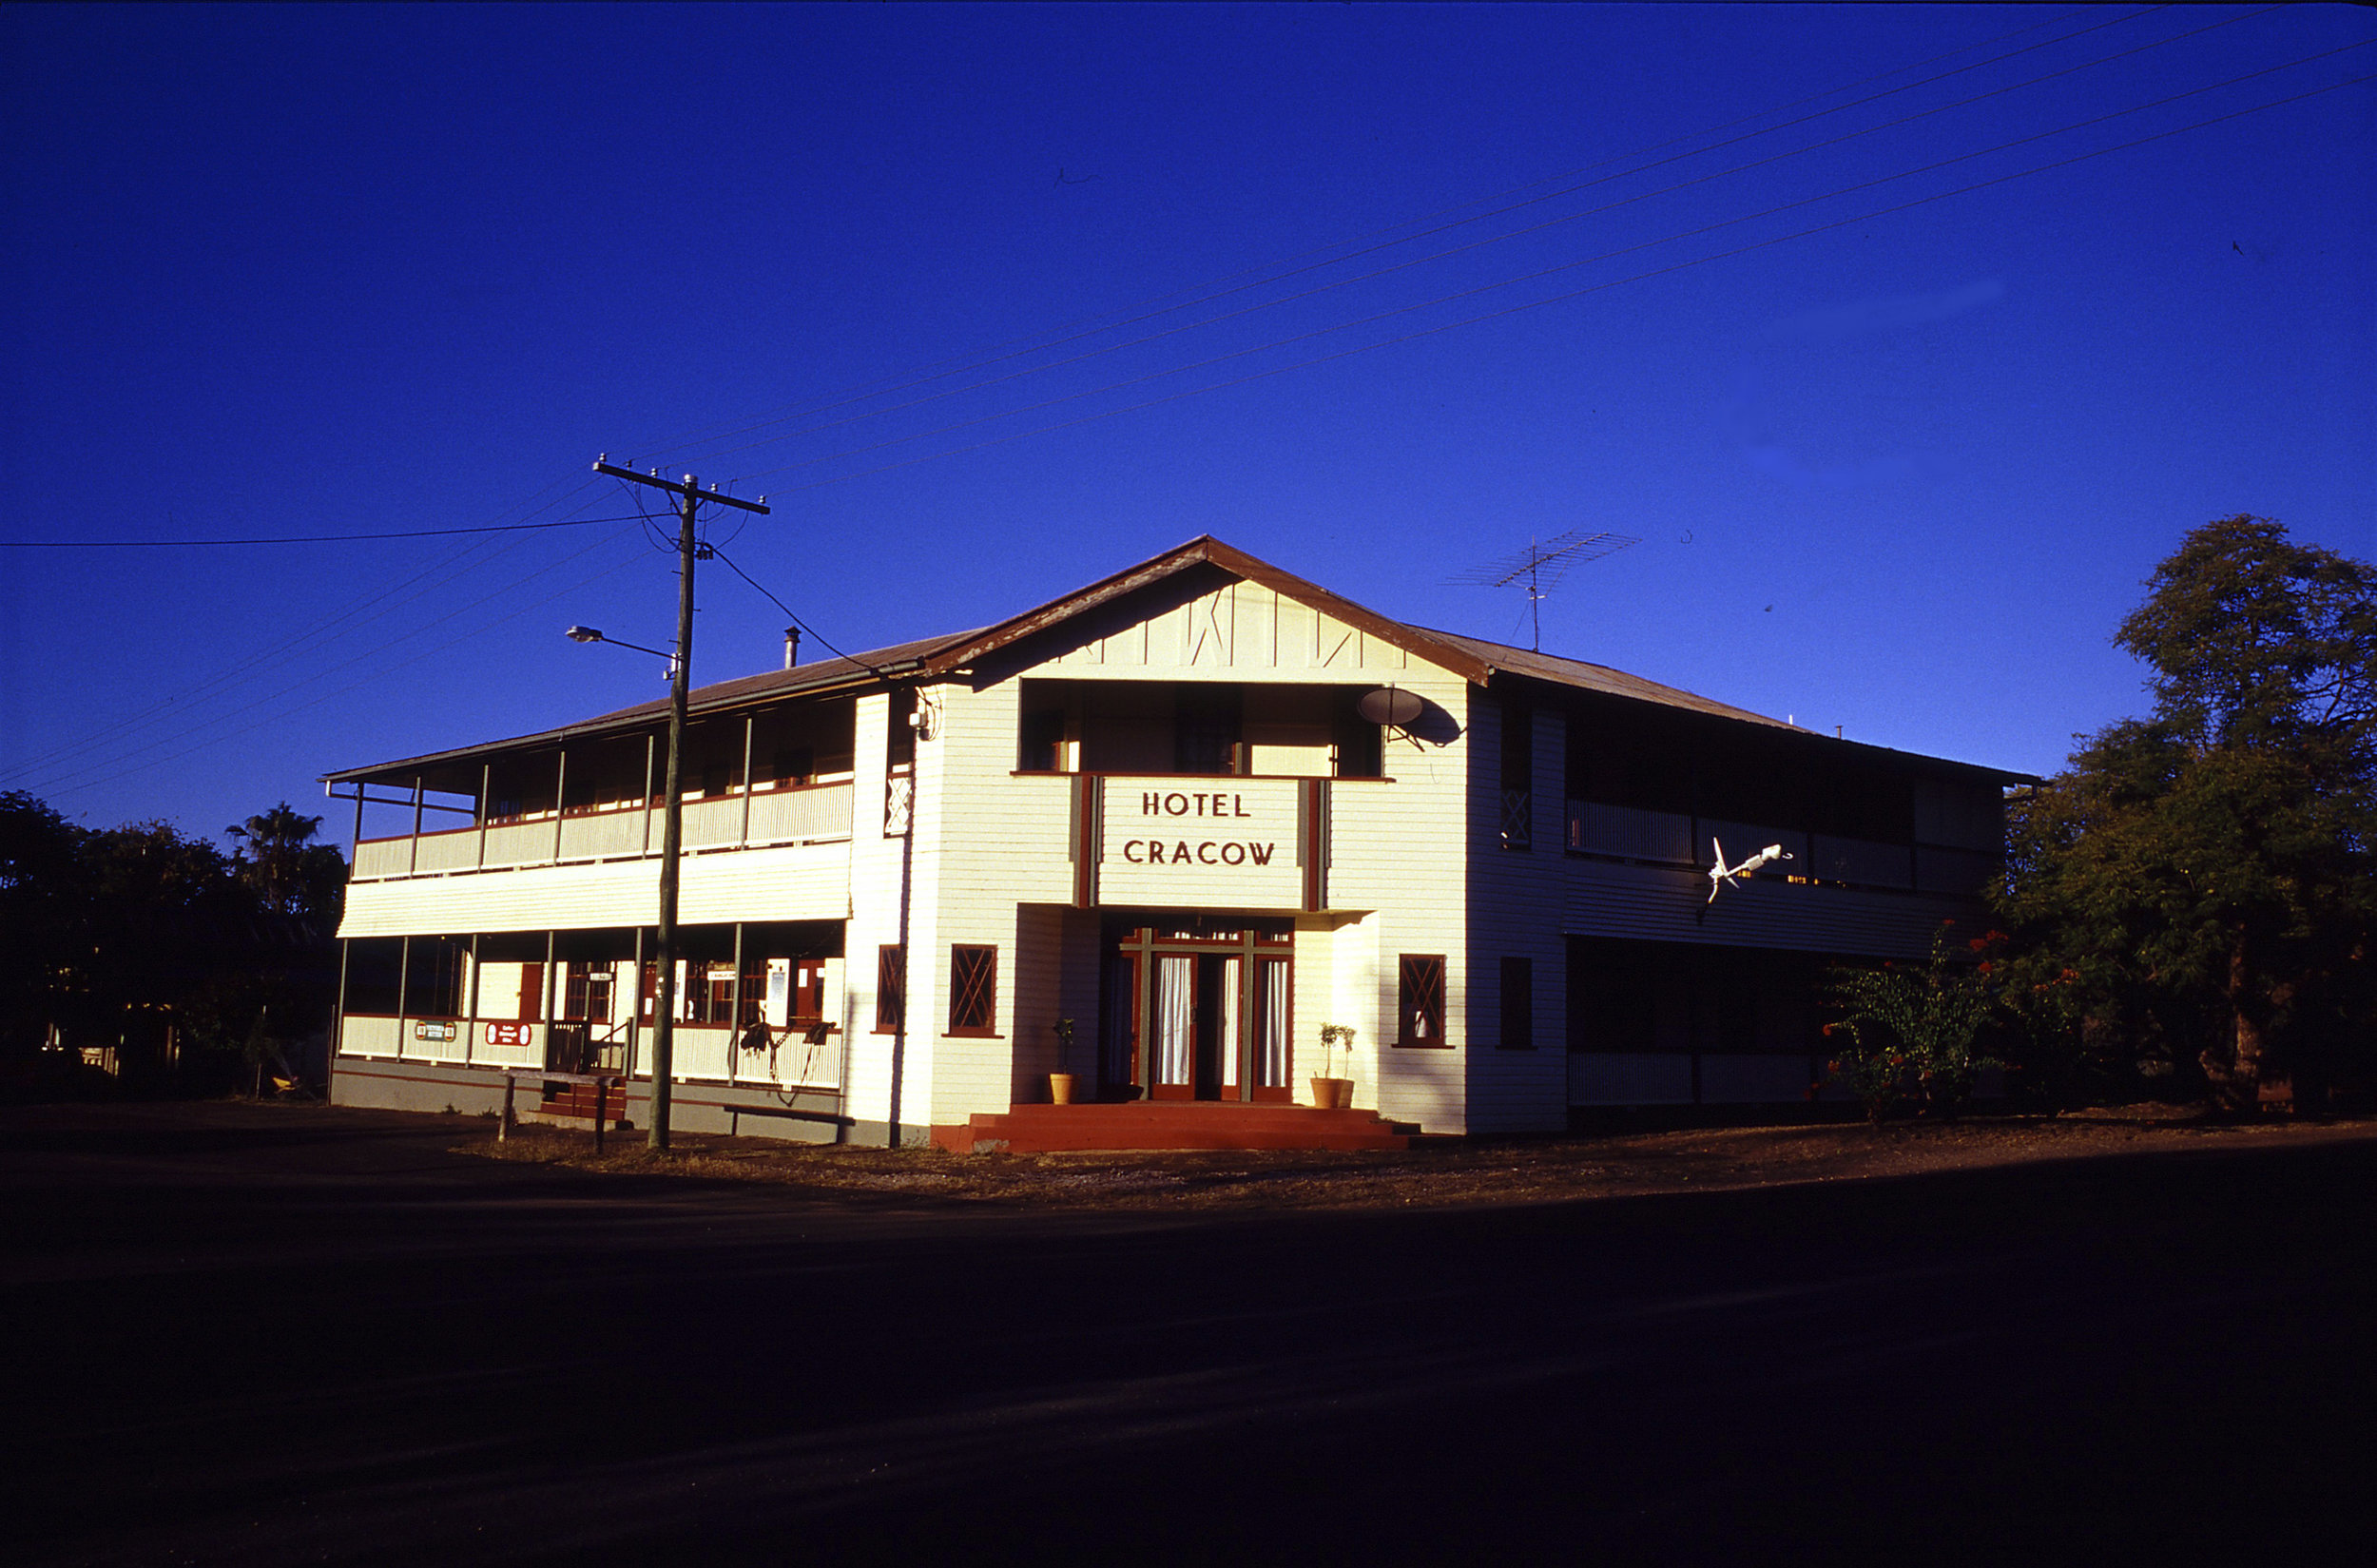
(1541, 565)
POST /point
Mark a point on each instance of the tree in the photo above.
(40, 906)
(134, 936)
(1906, 1034)
(2207, 874)
(293, 875)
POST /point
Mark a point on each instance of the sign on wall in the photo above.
(1225, 843)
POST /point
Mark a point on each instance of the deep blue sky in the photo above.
(294, 270)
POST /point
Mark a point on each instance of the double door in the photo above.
(1198, 1013)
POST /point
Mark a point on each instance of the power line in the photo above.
(300, 538)
(416, 630)
(326, 630)
(795, 618)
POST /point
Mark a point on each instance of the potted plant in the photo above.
(1333, 1094)
(1060, 1081)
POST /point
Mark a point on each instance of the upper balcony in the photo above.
(815, 813)
(752, 780)
(1681, 839)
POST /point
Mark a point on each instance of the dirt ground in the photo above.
(1456, 1172)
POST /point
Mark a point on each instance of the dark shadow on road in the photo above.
(474, 1362)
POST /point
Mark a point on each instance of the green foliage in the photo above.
(2200, 884)
(129, 935)
(1332, 1037)
(1908, 1035)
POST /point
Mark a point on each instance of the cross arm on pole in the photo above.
(686, 486)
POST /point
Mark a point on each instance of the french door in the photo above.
(1198, 1011)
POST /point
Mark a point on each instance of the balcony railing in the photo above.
(1670, 838)
(807, 814)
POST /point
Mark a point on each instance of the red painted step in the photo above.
(577, 1100)
(1140, 1124)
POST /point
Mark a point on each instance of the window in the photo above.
(1042, 746)
(899, 734)
(794, 765)
(711, 989)
(1420, 1001)
(1207, 725)
(1518, 1004)
(972, 990)
(1519, 777)
(891, 989)
(1360, 745)
(586, 994)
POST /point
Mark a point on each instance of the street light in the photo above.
(671, 846)
(587, 634)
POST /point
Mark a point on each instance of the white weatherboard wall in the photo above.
(795, 883)
(1395, 850)
(1516, 899)
(877, 864)
(989, 842)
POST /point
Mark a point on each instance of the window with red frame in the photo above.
(972, 990)
(1420, 1000)
(891, 989)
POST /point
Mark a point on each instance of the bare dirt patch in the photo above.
(1476, 1172)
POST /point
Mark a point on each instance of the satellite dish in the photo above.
(1386, 706)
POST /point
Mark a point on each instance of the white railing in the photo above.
(713, 822)
(520, 843)
(363, 1035)
(602, 835)
(1621, 830)
(436, 1040)
(488, 1053)
(383, 858)
(810, 814)
(792, 1062)
(702, 1051)
(801, 816)
(453, 851)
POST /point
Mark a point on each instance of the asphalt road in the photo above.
(265, 1336)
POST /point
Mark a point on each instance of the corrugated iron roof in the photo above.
(1474, 658)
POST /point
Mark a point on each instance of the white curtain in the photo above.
(1275, 1021)
(1175, 1034)
(1232, 973)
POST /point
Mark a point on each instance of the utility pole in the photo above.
(672, 809)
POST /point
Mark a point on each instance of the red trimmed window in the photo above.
(1420, 1001)
(891, 989)
(972, 990)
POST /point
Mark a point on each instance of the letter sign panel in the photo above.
(1223, 843)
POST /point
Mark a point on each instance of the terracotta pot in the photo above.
(1060, 1089)
(1332, 1094)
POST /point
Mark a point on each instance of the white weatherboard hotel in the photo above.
(1156, 807)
